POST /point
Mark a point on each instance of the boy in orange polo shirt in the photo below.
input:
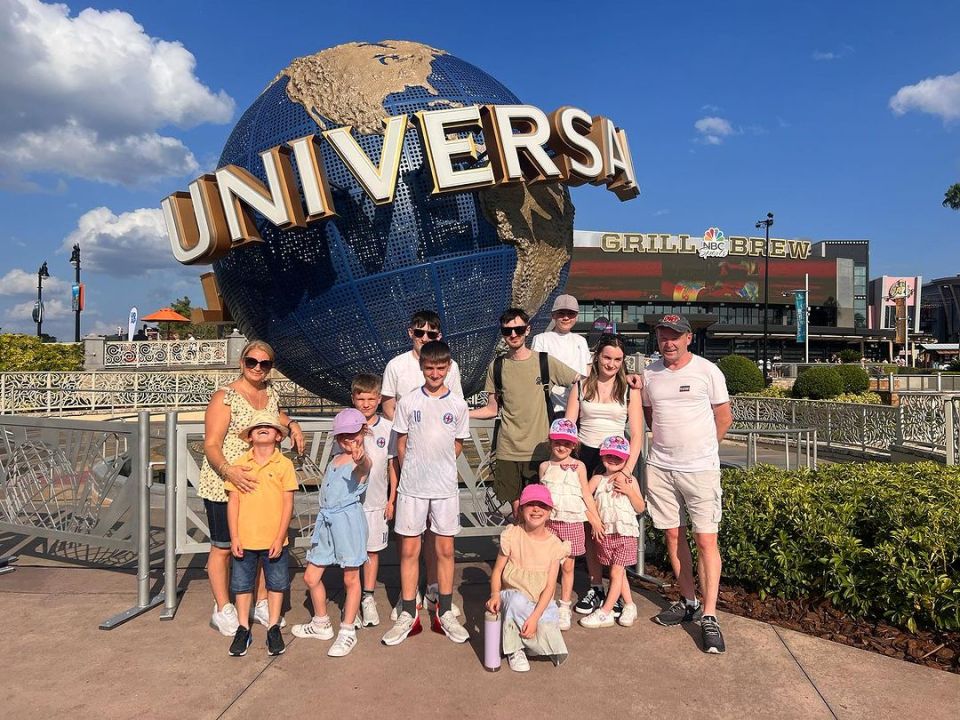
(258, 522)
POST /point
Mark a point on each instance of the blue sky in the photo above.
(841, 118)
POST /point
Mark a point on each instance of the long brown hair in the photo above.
(619, 380)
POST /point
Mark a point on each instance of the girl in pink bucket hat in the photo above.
(618, 502)
(566, 479)
(524, 580)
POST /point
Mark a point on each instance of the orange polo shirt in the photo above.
(261, 509)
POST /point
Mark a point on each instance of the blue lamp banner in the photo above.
(800, 301)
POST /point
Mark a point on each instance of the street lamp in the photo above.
(765, 224)
(42, 273)
(78, 292)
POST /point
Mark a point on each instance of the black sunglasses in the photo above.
(516, 330)
(431, 334)
(250, 363)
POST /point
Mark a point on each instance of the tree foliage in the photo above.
(951, 198)
(198, 330)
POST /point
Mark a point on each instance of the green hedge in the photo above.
(743, 376)
(818, 383)
(879, 540)
(855, 378)
(23, 353)
(850, 356)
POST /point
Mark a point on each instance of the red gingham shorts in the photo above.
(573, 532)
(618, 550)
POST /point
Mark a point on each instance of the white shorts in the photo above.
(672, 495)
(377, 530)
(412, 513)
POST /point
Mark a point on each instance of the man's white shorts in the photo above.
(377, 530)
(412, 514)
(674, 494)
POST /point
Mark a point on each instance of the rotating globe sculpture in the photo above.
(334, 299)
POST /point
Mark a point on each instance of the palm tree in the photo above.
(951, 198)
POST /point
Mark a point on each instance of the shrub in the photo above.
(855, 378)
(772, 391)
(818, 383)
(864, 398)
(879, 540)
(850, 356)
(742, 375)
(22, 353)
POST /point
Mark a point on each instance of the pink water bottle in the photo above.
(491, 642)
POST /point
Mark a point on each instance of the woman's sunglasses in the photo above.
(515, 330)
(250, 363)
(431, 334)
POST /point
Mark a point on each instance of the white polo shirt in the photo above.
(431, 425)
(570, 349)
(403, 375)
(684, 429)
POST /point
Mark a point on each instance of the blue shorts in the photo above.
(243, 574)
(217, 522)
(339, 537)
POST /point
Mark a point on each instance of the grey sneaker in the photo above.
(448, 624)
(711, 636)
(405, 626)
(368, 610)
(395, 613)
(261, 613)
(678, 613)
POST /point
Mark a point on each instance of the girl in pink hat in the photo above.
(566, 479)
(524, 580)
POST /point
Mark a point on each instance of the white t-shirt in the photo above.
(684, 430)
(380, 446)
(431, 425)
(403, 375)
(570, 349)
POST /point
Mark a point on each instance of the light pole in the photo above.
(765, 224)
(78, 299)
(42, 273)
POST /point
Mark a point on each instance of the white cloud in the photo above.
(938, 95)
(124, 245)
(830, 55)
(713, 129)
(22, 282)
(90, 92)
(53, 309)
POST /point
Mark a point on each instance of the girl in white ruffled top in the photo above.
(566, 479)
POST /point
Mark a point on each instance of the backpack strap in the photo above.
(498, 393)
(545, 383)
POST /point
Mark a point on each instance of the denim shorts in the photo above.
(217, 522)
(243, 574)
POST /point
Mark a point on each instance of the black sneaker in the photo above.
(592, 600)
(618, 608)
(711, 636)
(241, 641)
(678, 613)
(275, 645)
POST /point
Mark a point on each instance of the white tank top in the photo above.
(615, 510)
(601, 420)
(564, 486)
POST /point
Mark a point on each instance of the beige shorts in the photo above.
(672, 495)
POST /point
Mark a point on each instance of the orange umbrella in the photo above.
(167, 315)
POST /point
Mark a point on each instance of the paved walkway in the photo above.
(57, 663)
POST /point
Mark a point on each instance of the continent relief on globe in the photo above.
(348, 85)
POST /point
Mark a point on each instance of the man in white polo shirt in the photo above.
(686, 405)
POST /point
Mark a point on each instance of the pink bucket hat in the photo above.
(536, 493)
(615, 445)
(348, 422)
(563, 429)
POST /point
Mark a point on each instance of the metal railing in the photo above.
(938, 382)
(799, 444)
(164, 353)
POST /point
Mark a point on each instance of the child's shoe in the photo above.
(368, 610)
(592, 600)
(565, 616)
(518, 661)
(405, 626)
(317, 629)
(275, 644)
(432, 596)
(346, 639)
(261, 613)
(397, 609)
(448, 625)
(225, 620)
(597, 619)
(617, 608)
(628, 616)
(241, 641)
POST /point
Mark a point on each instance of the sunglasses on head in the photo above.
(516, 330)
(250, 363)
(431, 334)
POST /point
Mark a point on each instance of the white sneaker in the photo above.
(566, 617)
(448, 625)
(434, 600)
(395, 612)
(343, 645)
(518, 661)
(405, 626)
(317, 629)
(628, 616)
(368, 610)
(261, 613)
(597, 619)
(225, 621)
